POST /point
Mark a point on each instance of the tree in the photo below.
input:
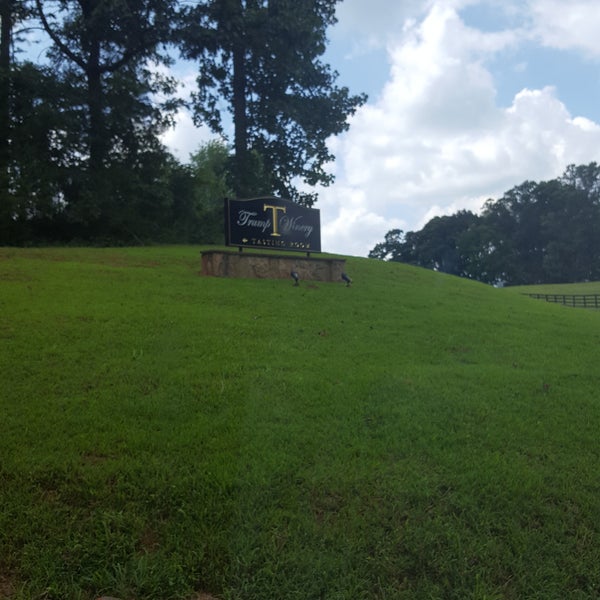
(441, 245)
(262, 58)
(7, 9)
(585, 178)
(512, 233)
(36, 171)
(391, 248)
(476, 247)
(12, 14)
(103, 52)
(545, 232)
(200, 188)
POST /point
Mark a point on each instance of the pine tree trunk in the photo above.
(97, 185)
(5, 87)
(240, 121)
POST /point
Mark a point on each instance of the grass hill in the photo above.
(416, 435)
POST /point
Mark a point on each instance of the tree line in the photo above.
(86, 92)
(546, 232)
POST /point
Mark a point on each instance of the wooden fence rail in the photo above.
(576, 300)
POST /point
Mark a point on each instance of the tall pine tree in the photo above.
(262, 59)
(104, 52)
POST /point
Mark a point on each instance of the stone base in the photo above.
(219, 263)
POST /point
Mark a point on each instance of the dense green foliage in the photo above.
(262, 58)
(536, 233)
(85, 160)
(413, 436)
(81, 157)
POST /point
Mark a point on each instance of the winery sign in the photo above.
(272, 223)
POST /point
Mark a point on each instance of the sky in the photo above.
(467, 99)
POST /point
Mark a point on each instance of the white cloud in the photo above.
(373, 23)
(436, 141)
(185, 138)
(348, 225)
(572, 24)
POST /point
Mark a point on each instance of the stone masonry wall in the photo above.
(270, 266)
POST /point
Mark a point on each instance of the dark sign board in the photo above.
(272, 223)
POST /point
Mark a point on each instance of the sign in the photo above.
(272, 223)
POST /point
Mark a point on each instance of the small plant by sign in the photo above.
(272, 223)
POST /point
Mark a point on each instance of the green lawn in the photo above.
(414, 436)
(592, 287)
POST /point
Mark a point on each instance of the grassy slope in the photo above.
(591, 287)
(413, 436)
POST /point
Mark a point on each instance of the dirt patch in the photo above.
(94, 458)
(7, 588)
(149, 541)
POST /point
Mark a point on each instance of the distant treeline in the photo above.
(547, 232)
